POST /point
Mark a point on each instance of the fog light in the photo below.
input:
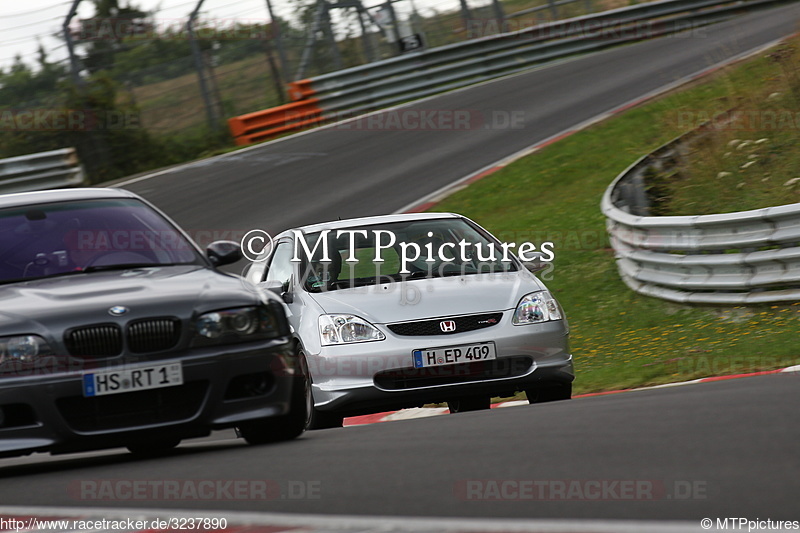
(249, 386)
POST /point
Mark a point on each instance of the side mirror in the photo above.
(536, 263)
(281, 289)
(224, 252)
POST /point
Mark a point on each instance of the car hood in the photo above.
(85, 298)
(431, 298)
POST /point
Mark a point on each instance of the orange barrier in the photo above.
(301, 90)
(262, 125)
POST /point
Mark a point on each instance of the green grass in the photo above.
(750, 158)
(619, 338)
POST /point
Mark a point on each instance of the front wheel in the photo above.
(469, 403)
(549, 393)
(315, 419)
(278, 428)
(153, 448)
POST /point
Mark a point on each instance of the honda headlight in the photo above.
(346, 329)
(241, 324)
(535, 308)
(23, 349)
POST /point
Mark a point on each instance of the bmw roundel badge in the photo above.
(118, 310)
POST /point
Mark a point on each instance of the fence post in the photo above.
(198, 61)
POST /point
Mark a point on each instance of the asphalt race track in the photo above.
(341, 172)
(720, 449)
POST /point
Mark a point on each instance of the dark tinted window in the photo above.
(59, 238)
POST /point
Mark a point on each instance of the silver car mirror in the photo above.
(279, 288)
(536, 264)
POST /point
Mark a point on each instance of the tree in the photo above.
(21, 86)
(103, 34)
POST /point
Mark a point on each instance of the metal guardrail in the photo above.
(740, 258)
(44, 170)
(418, 74)
(551, 5)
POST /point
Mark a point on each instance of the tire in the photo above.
(552, 392)
(153, 448)
(469, 403)
(314, 418)
(278, 428)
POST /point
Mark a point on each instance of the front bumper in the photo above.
(374, 376)
(222, 387)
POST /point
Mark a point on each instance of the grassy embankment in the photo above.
(621, 339)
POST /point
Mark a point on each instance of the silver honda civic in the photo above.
(398, 311)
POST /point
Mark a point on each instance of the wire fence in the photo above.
(246, 60)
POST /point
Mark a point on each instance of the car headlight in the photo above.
(23, 349)
(346, 329)
(535, 308)
(238, 325)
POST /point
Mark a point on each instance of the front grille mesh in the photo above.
(153, 335)
(432, 327)
(99, 340)
(105, 340)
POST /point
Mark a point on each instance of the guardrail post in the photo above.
(466, 16)
(553, 9)
(275, 26)
(273, 69)
(211, 114)
(310, 39)
(328, 31)
(500, 15)
(73, 59)
(366, 41)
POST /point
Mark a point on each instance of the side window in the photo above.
(281, 266)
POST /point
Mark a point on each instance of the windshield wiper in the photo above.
(431, 275)
(417, 274)
(124, 266)
(36, 278)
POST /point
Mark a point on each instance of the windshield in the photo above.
(399, 251)
(81, 236)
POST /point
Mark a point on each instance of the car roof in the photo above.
(61, 195)
(368, 221)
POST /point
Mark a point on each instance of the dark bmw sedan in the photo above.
(116, 330)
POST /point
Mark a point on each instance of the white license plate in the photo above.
(132, 379)
(451, 355)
